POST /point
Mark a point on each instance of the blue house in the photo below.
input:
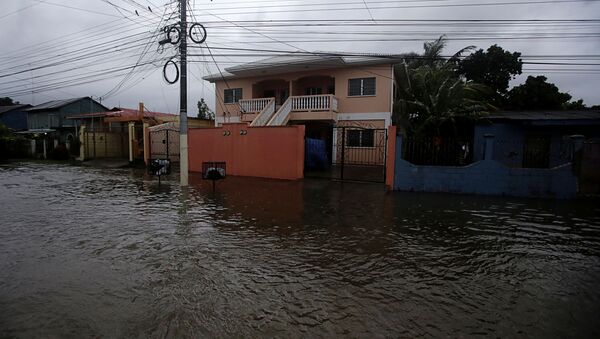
(528, 154)
(534, 139)
(14, 116)
(48, 125)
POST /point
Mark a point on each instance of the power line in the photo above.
(506, 3)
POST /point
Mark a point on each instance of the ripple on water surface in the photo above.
(89, 252)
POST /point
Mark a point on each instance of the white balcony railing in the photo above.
(325, 102)
(281, 117)
(254, 105)
(265, 114)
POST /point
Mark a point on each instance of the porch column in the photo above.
(45, 147)
(82, 142)
(131, 130)
(147, 143)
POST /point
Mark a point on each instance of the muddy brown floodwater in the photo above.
(110, 253)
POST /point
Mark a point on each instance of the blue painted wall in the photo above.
(57, 118)
(16, 119)
(510, 139)
(486, 176)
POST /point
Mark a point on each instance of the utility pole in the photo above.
(183, 125)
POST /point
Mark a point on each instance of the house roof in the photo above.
(56, 104)
(300, 61)
(545, 115)
(122, 114)
(4, 109)
(133, 113)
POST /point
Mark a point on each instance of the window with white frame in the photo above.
(361, 86)
(232, 95)
(360, 138)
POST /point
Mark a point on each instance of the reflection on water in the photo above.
(110, 253)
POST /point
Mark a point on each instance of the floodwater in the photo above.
(110, 253)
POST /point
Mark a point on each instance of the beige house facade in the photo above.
(317, 91)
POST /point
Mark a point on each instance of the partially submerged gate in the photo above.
(164, 143)
(354, 154)
(105, 143)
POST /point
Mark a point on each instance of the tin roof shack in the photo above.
(14, 117)
(535, 139)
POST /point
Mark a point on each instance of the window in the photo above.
(313, 91)
(360, 138)
(361, 86)
(232, 95)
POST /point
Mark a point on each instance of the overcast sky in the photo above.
(90, 48)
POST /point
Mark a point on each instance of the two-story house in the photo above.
(322, 91)
(314, 90)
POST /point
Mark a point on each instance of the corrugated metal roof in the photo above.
(4, 109)
(133, 113)
(545, 115)
(55, 104)
(300, 61)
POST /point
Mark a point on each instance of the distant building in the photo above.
(52, 117)
(14, 116)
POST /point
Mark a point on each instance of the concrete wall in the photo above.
(267, 152)
(487, 176)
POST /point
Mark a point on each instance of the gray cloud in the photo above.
(37, 26)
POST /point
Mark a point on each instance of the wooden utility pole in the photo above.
(183, 126)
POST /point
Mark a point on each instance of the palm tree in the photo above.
(429, 94)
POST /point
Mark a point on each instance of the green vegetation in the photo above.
(431, 97)
(436, 94)
(494, 68)
(537, 94)
(6, 101)
(204, 112)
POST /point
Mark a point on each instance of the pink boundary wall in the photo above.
(266, 152)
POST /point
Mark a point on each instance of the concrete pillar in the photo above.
(488, 153)
(82, 142)
(131, 130)
(147, 143)
(45, 155)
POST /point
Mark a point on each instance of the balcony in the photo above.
(252, 107)
(303, 107)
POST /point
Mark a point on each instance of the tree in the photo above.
(430, 95)
(6, 101)
(536, 94)
(493, 68)
(204, 112)
(575, 105)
